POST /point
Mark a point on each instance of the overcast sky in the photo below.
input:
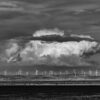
(23, 17)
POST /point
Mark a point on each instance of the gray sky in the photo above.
(18, 17)
(24, 17)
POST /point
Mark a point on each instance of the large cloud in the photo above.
(52, 52)
(56, 49)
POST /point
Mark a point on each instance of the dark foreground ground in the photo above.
(50, 93)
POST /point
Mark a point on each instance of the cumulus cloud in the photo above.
(56, 49)
(48, 32)
(82, 36)
(53, 52)
(10, 50)
(59, 35)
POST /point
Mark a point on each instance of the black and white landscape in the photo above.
(50, 41)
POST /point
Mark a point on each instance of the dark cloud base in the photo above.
(60, 39)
